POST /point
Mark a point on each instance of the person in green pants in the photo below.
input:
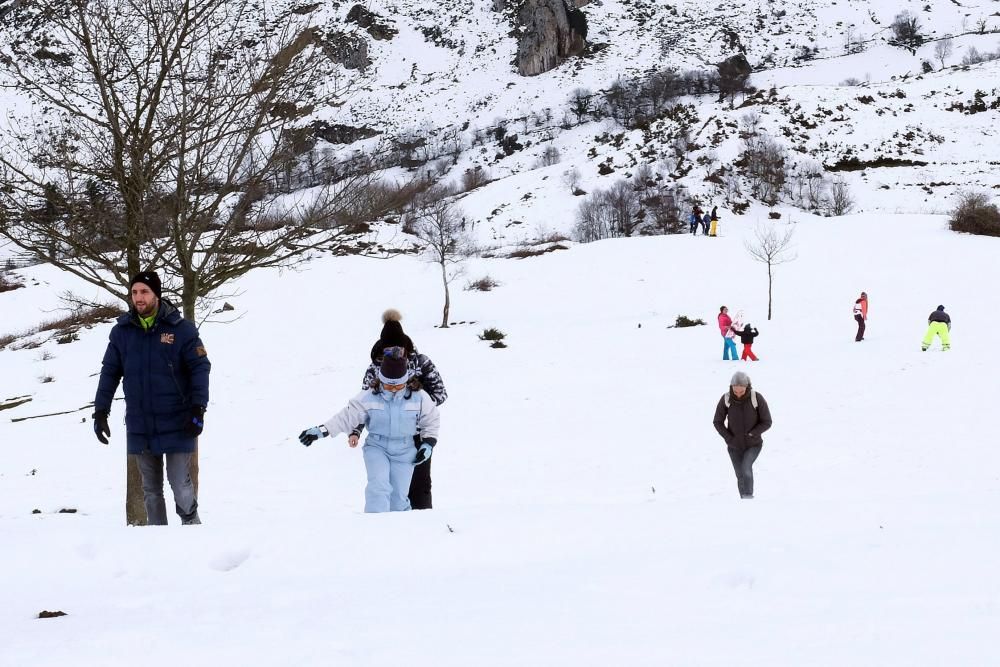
(938, 324)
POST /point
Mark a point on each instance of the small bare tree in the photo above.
(943, 49)
(550, 156)
(841, 202)
(571, 179)
(440, 224)
(772, 247)
(580, 101)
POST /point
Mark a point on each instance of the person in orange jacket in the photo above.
(861, 315)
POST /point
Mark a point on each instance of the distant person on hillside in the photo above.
(423, 375)
(394, 413)
(938, 324)
(705, 221)
(741, 416)
(728, 335)
(747, 334)
(695, 219)
(714, 219)
(165, 368)
(861, 315)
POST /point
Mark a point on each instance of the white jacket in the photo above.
(389, 415)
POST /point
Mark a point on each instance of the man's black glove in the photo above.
(101, 429)
(196, 422)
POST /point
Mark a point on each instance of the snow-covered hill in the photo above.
(585, 508)
(586, 511)
(799, 51)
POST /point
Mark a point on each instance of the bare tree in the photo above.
(943, 49)
(171, 128)
(440, 224)
(610, 213)
(550, 156)
(580, 101)
(764, 161)
(771, 247)
(475, 177)
(571, 179)
(841, 202)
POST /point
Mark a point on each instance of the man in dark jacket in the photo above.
(741, 417)
(424, 375)
(165, 369)
(938, 324)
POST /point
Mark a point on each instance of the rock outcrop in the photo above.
(351, 51)
(372, 22)
(550, 31)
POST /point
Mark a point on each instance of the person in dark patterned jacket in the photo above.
(424, 376)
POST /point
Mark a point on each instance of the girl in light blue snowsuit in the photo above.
(393, 413)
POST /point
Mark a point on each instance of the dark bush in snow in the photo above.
(685, 321)
(975, 214)
(906, 30)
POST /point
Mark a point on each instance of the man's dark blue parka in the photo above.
(166, 374)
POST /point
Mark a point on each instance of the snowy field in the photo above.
(586, 511)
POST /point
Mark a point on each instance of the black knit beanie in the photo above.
(392, 334)
(149, 279)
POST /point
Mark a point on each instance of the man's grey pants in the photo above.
(743, 466)
(179, 475)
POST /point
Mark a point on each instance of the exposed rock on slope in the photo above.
(551, 31)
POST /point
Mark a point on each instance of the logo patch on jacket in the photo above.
(201, 351)
(167, 338)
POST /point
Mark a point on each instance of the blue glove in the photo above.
(311, 435)
(424, 453)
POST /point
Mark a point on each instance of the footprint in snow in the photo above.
(229, 560)
(738, 579)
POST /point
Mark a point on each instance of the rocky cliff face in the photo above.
(550, 32)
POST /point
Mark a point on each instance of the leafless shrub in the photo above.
(840, 201)
(484, 284)
(943, 49)
(571, 179)
(476, 177)
(764, 162)
(975, 214)
(550, 156)
(854, 42)
(8, 284)
(608, 213)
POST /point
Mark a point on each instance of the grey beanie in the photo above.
(740, 378)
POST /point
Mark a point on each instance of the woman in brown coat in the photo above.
(741, 417)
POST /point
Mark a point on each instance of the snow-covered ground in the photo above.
(586, 511)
